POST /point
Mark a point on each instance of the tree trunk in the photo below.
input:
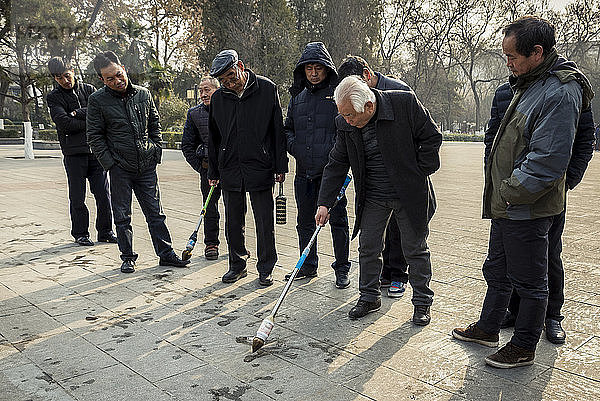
(3, 89)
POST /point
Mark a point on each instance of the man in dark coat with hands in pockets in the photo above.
(392, 145)
(246, 153)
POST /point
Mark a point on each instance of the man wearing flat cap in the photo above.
(247, 153)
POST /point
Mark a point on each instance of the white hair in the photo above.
(356, 90)
(214, 82)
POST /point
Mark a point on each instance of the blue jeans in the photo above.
(145, 187)
(517, 260)
(307, 193)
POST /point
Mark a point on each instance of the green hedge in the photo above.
(461, 137)
(47, 135)
(171, 138)
(10, 133)
(14, 127)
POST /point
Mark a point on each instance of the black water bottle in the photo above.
(280, 201)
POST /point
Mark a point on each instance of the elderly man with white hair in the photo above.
(392, 145)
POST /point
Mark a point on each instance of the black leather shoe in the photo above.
(128, 266)
(84, 241)
(111, 238)
(265, 279)
(508, 320)
(302, 274)
(363, 308)
(232, 276)
(172, 260)
(421, 316)
(554, 332)
(341, 279)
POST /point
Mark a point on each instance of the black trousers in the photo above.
(79, 168)
(556, 273)
(235, 226)
(517, 259)
(307, 193)
(395, 267)
(211, 217)
(145, 187)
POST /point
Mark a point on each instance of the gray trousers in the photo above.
(374, 220)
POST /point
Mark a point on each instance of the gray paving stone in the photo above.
(66, 355)
(26, 323)
(143, 352)
(116, 382)
(208, 383)
(28, 383)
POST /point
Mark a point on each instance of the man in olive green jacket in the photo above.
(525, 187)
(123, 132)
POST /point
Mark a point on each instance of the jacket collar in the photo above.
(130, 91)
(74, 89)
(251, 86)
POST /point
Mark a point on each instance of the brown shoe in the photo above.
(475, 335)
(211, 252)
(511, 356)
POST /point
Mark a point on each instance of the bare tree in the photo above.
(396, 17)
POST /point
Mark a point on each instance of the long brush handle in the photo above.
(203, 212)
(306, 250)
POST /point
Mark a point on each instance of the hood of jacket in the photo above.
(314, 52)
(567, 71)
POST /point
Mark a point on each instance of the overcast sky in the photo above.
(558, 4)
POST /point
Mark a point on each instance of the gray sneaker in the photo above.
(396, 289)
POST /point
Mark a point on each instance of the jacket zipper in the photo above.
(137, 153)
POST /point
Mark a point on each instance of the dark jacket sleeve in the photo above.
(190, 142)
(154, 129)
(583, 149)
(281, 159)
(96, 134)
(288, 128)
(65, 122)
(492, 128)
(500, 103)
(214, 145)
(335, 172)
(427, 138)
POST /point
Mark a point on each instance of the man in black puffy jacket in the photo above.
(68, 106)
(124, 133)
(580, 157)
(310, 131)
(194, 145)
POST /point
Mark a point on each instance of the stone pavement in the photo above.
(73, 328)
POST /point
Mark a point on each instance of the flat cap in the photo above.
(222, 62)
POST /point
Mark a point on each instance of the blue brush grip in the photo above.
(301, 260)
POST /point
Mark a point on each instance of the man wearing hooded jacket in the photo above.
(525, 178)
(310, 131)
(580, 157)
